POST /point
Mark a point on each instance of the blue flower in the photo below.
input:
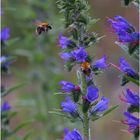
(131, 121)
(125, 31)
(92, 93)
(5, 34)
(5, 62)
(101, 63)
(67, 86)
(5, 106)
(80, 55)
(127, 68)
(73, 135)
(101, 106)
(65, 42)
(67, 56)
(131, 98)
(69, 106)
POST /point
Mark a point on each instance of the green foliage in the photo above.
(96, 116)
(12, 89)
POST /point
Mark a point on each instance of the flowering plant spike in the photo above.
(82, 101)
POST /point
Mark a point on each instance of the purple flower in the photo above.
(80, 54)
(73, 135)
(101, 106)
(119, 23)
(69, 106)
(92, 93)
(131, 98)
(135, 38)
(67, 86)
(127, 68)
(125, 37)
(125, 31)
(131, 121)
(65, 42)
(101, 63)
(67, 56)
(5, 34)
(5, 106)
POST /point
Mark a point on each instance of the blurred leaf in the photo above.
(6, 92)
(26, 136)
(12, 114)
(10, 42)
(19, 127)
(23, 52)
(60, 93)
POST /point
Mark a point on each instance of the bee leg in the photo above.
(39, 30)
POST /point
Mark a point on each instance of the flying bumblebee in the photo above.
(42, 27)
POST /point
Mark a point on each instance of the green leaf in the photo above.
(12, 114)
(6, 92)
(96, 117)
(19, 127)
(59, 113)
(12, 41)
(59, 93)
(110, 110)
(26, 136)
(22, 125)
(135, 81)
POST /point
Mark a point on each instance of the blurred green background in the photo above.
(38, 64)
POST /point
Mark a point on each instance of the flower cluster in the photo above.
(78, 55)
(5, 60)
(132, 122)
(133, 100)
(129, 73)
(91, 96)
(73, 135)
(127, 35)
(129, 38)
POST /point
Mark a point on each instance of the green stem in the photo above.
(83, 83)
(86, 127)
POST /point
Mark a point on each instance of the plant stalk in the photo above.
(86, 127)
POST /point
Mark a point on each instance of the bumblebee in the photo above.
(86, 68)
(42, 27)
